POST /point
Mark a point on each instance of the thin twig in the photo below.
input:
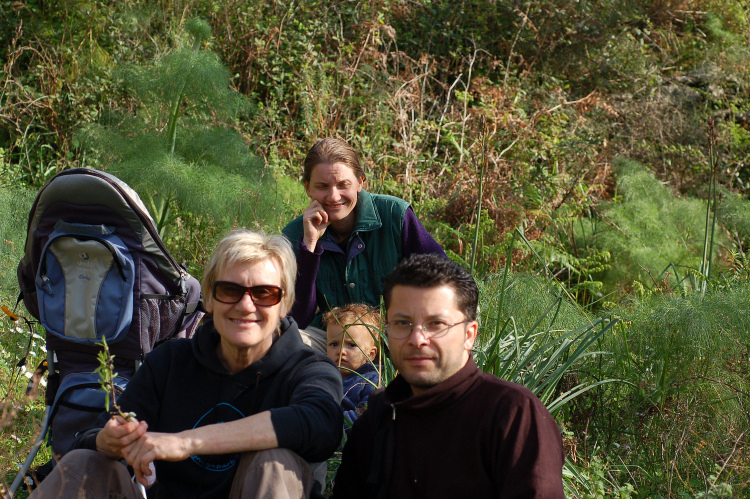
(729, 457)
(466, 98)
(513, 45)
(445, 110)
(723, 383)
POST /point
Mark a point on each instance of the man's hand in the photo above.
(154, 446)
(118, 434)
(314, 222)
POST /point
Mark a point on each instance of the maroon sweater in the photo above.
(473, 435)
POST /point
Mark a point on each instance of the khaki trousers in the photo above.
(87, 474)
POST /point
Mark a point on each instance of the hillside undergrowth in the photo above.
(586, 124)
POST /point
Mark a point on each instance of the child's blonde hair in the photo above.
(355, 314)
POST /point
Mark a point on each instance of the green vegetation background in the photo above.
(587, 160)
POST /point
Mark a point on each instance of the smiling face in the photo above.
(336, 187)
(422, 361)
(246, 330)
(349, 350)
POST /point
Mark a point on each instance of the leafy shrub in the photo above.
(654, 237)
(179, 148)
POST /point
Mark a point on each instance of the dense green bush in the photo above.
(683, 360)
(655, 238)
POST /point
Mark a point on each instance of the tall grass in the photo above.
(14, 207)
(21, 413)
(680, 422)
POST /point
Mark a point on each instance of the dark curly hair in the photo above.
(429, 271)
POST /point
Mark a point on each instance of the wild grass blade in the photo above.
(475, 248)
(501, 301)
(554, 406)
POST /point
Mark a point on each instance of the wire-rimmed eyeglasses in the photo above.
(400, 329)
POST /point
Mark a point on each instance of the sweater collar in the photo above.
(399, 392)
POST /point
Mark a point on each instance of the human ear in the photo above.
(472, 329)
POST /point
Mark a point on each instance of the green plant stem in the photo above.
(708, 240)
(175, 113)
(479, 202)
(107, 380)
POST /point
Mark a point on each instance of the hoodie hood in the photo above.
(283, 348)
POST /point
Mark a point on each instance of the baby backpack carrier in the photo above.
(95, 268)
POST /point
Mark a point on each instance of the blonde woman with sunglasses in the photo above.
(243, 409)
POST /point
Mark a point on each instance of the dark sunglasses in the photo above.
(266, 295)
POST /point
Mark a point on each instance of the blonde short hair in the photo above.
(246, 246)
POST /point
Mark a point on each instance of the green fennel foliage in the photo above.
(734, 215)
(697, 335)
(648, 232)
(684, 363)
(180, 144)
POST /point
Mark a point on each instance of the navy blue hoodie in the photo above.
(183, 385)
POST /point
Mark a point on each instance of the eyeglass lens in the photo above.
(401, 329)
(263, 296)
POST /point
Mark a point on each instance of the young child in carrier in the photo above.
(351, 342)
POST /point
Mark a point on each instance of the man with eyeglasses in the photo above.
(442, 428)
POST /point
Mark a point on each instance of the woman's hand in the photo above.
(314, 222)
(118, 434)
(152, 447)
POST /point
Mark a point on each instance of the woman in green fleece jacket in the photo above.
(347, 240)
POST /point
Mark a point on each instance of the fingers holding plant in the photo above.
(151, 447)
(118, 434)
